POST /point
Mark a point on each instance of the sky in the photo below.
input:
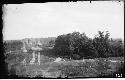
(36, 20)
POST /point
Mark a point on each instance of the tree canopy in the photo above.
(77, 46)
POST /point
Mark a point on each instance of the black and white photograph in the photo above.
(72, 40)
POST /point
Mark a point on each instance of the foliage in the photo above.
(78, 46)
(101, 44)
(74, 44)
(13, 45)
(51, 43)
(89, 68)
(117, 48)
(107, 47)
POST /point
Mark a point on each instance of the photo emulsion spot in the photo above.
(64, 39)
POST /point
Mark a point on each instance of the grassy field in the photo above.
(99, 67)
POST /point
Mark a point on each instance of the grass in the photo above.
(98, 67)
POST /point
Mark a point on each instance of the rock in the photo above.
(113, 61)
(58, 59)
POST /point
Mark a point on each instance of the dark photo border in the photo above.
(3, 67)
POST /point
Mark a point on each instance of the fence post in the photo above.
(39, 58)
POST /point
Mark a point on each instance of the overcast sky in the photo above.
(52, 19)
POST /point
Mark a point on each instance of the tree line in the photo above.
(12, 45)
(78, 46)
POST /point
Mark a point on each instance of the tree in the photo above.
(61, 46)
(73, 44)
(87, 49)
(117, 48)
(101, 44)
(13, 45)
